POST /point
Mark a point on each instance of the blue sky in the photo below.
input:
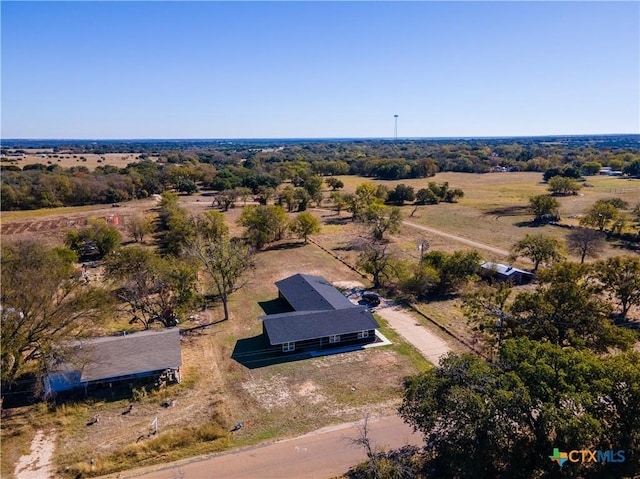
(318, 69)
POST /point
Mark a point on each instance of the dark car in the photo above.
(371, 299)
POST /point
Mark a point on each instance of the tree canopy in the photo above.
(45, 303)
(265, 224)
(539, 248)
(225, 262)
(503, 420)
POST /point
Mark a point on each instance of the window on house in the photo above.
(334, 338)
(290, 346)
(363, 334)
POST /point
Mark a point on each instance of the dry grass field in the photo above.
(283, 399)
(279, 400)
(46, 156)
(493, 210)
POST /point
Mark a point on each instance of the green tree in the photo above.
(539, 249)
(302, 198)
(334, 183)
(426, 196)
(636, 216)
(175, 226)
(453, 269)
(544, 208)
(504, 420)
(313, 185)
(400, 194)
(339, 200)
(562, 185)
(186, 185)
(365, 196)
(620, 277)
(567, 309)
(600, 215)
(633, 168)
(265, 224)
(585, 242)
(453, 195)
(226, 263)
(139, 226)
(376, 260)
(211, 224)
(43, 305)
(304, 224)
(243, 193)
(383, 220)
(287, 196)
(591, 168)
(421, 282)
(98, 236)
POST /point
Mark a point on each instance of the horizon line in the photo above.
(327, 138)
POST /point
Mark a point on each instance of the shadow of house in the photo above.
(115, 363)
(275, 306)
(320, 318)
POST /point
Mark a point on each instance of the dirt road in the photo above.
(430, 345)
(460, 239)
(322, 454)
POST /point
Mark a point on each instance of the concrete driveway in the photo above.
(429, 344)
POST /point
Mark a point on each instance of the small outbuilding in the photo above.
(112, 360)
(322, 317)
(502, 272)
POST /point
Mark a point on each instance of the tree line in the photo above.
(187, 166)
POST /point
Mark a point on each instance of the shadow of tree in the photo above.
(284, 246)
(337, 220)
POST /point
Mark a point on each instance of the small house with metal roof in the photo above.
(502, 272)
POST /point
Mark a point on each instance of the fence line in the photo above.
(409, 305)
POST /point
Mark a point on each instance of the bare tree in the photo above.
(586, 242)
(364, 441)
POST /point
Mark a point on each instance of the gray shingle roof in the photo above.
(304, 325)
(305, 292)
(117, 356)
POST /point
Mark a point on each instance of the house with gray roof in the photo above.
(322, 317)
(114, 359)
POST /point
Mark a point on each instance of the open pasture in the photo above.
(67, 160)
(494, 208)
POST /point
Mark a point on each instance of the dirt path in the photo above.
(430, 345)
(460, 239)
(37, 464)
(320, 454)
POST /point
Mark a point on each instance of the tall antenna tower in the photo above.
(395, 131)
